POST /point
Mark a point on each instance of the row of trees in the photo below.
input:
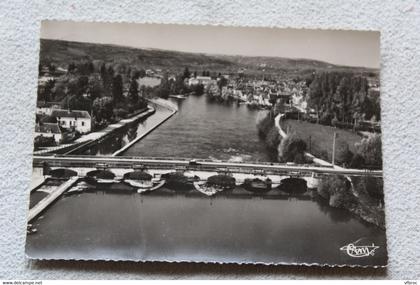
(367, 153)
(342, 97)
(362, 195)
(100, 91)
(288, 149)
(177, 85)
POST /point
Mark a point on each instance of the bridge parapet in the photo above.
(199, 165)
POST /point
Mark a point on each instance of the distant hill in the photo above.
(62, 53)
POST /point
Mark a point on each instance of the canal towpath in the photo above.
(96, 136)
(38, 208)
(315, 159)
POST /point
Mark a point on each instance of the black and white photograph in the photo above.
(215, 144)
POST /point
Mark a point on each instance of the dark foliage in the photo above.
(342, 97)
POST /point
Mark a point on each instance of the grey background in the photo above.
(399, 23)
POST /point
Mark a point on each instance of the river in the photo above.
(200, 129)
(169, 226)
(191, 227)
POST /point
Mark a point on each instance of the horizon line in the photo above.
(213, 54)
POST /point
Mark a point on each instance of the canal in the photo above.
(167, 225)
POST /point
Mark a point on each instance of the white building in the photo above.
(77, 119)
(199, 80)
(49, 130)
(43, 108)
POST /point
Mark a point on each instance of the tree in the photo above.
(371, 150)
(343, 155)
(71, 68)
(336, 189)
(198, 89)
(106, 80)
(292, 149)
(137, 74)
(273, 138)
(373, 186)
(45, 93)
(357, 161)
(91, 67)
(222, 81)
(74, 102)
(102, 109)
(186, 73)
(96, 89)
(111, 71)
(133, 92)
(82, 85)
(164, 88)
(142, 73)
(117, 89)
(179, 87)
(51, 68)
(103, 72)
(338, 96)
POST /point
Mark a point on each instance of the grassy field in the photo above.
(319, 138)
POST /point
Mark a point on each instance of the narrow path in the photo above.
(95, 136)
(307, 154)
(113, 127)
(44, 203)
(314, 158)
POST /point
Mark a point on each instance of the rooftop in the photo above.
(61, 113)
(48, 128)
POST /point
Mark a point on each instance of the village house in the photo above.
(49, 130)
(46, 108)
(73, 119)
(205, 80)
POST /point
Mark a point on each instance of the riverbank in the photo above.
(319, 139)
(354, 195)
(165, 104)
(299, 222)
(94, 137)
(351, 196)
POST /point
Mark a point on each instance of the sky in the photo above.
(352, 48)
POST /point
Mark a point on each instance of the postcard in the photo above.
(183, 143)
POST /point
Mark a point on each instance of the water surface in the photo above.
(192, 227)
(202, 129)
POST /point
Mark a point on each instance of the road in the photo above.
(167, 163)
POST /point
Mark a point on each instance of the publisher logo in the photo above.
(354, 249)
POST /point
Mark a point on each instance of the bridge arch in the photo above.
(101, 174)
(293, 185)
(62, 173)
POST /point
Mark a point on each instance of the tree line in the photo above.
(98, 90)
(342, 97)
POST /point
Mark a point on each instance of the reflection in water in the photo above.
(202, 129)
(125, 135)
(131, 133)
(337, 215)
(293, 185)
(168, 225)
